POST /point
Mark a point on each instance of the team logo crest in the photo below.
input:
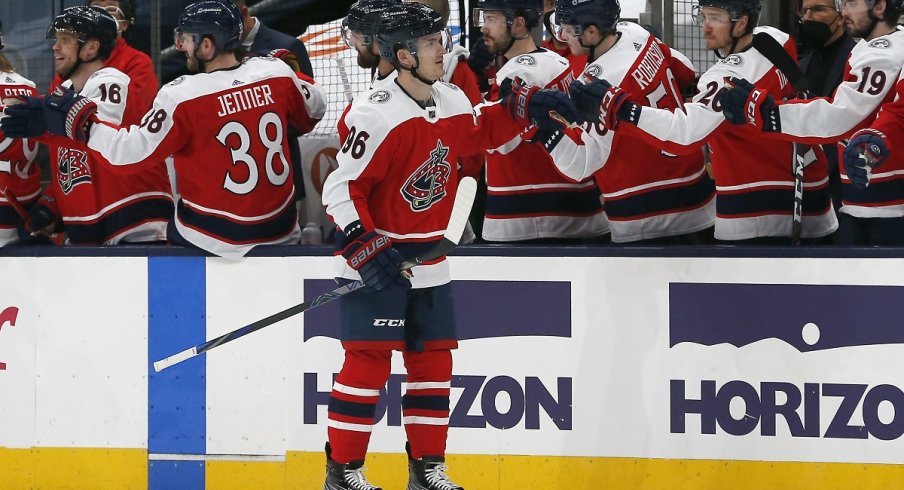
(880, 43)
(427, 185)
(177, 81)
(733, 60)
(73, 169)
(594, 71)
(379, 97)
(526, 60)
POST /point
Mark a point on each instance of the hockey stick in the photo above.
(776, 54)
(17, 206)
(467, 188)
(343, 75)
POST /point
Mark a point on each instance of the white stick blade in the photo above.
(461, 209)
(174, 359)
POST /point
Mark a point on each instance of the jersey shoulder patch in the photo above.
(537, 68)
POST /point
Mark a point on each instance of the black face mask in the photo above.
(814, 34)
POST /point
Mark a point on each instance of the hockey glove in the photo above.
(23, 117)
(545, 108)
(744, 103)
(372, 255)
(68, 114)
(42, 218)
(600, 101)
(287, 57)
(865, 151)
(480, 58)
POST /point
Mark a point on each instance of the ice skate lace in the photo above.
(437, 478)
(356, 480)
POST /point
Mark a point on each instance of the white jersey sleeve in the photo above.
(873, 67)
(109, 89)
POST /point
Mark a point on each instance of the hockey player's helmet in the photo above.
(219, 20)
(402, 27)
(86, 23)
(735, 8)
(363, 17)
(531, 10)
(603, 14)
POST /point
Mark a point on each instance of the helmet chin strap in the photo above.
(415, 74)
(734, 42)
(591, 54)
(78, 63)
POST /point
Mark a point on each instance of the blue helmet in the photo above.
(735, 8)
(531, 10)
(219, 20)
(603, 14)
(401, 27)
(86, 23)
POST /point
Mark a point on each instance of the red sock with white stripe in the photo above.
(353, 403)
(425, 404)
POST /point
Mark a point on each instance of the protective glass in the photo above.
(480, 18)
(351, 38)
(713, 19)
(429, 44)
(184, 40)
(64, 37)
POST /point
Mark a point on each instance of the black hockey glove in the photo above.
(865, 151)
(23, 117)
(68, 114)
(372, 255)
(545, 108)
(600, 101)
(42, 219)
(743, 103)
(480, 58)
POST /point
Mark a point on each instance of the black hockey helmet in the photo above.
(219, 20)
(401, 27)
(531, 10)
(86, 23)
(735, 8)
(603, 14)
(364, 17)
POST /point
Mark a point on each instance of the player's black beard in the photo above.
(863, 32)
(368, 60)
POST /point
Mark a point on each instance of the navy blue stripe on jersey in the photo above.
(539, 203)
(691, 195)
(430, 402)
(352, 409)
(237, 232)
(878, 193)
(9, 218)
(771, 201)
(135, 213)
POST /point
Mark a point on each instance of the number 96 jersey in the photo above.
(227, 133)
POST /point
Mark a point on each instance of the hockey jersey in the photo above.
(139, 68)
(527, 198)
(97, 206)
(20, 176)
(873, 69)
(226, 132)
(754, 183)
(649, 193)
(396, 170)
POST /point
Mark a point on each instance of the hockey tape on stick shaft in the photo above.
(343, 75)
(461, 209)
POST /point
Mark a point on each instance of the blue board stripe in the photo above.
(177, 396)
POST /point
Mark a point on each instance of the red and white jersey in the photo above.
(20, 176)
(396, 171)
(97, 206)
(754, 183)
(527, 197)
(649, 193)
(886, 179)
(226, 132)
(872, 70)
